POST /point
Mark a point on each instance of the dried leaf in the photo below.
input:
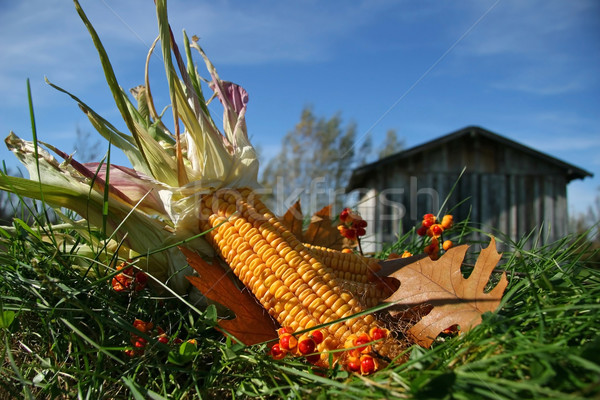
(455, 300)
(252, 324)
(293, 220)
(389, 266)
(322, 232)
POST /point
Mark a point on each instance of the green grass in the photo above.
(63, 332)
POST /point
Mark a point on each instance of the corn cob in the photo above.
(297, 289)
(369, 294)
(347, 266)
(356, 274)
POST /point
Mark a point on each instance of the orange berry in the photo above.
(141, 280)
(347, 232)
(117, 285)
(451, 329)
(447, 245)
(353, 364)
(306, 346)
(317, 336)
(344, 214)
(433, 247)
(447, 221)
(163, 339)
(436, 230)
(368, 365)
(360, 223)
(378, 333)
(428, 220)
(288, 342)
(422, 231)
(284, 330)
(142, 326)
(361, 340)
(276, 352)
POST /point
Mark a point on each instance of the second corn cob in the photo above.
(349, 266)
(356, 274)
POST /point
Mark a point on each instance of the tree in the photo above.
(12, 206)
(365, 151)
(316, 161)
(86, 150)
(6, 212)
(588, 226)
(314, 164)
(391, 144)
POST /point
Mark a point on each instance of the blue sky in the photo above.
(526, 69)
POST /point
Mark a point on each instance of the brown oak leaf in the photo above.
(252, 324)
(322, 232)
(293, 220)
(454, 299)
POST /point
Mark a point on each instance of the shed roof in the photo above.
(361, 174)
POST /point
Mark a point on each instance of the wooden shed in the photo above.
(506, 187)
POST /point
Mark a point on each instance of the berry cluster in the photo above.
(358, 357)
(434, 229)
(352, 225)
(359, 353)
(139, 343)
(305, 345)
(130, 278)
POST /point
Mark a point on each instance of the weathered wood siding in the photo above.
(503, 191)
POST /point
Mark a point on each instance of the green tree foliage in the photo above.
(316, 161)
(587, 225)
(314, 164)
(365, 152)
(391, 144)
(8, 204)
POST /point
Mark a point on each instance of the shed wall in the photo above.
(502, 191)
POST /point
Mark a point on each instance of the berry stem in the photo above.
(360, 250)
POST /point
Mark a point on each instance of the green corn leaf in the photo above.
(191, 69)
